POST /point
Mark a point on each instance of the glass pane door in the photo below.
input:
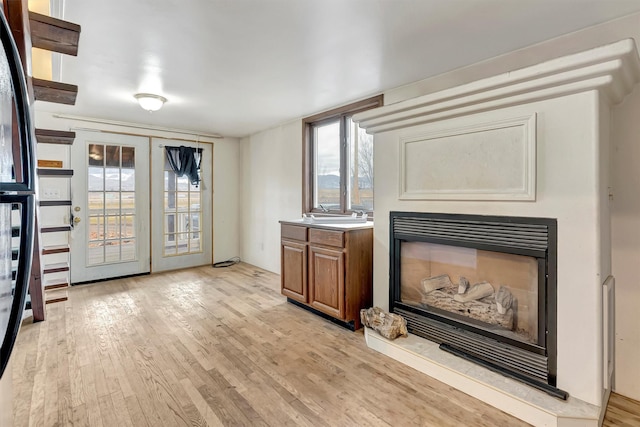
(181, 214)
(110, 206)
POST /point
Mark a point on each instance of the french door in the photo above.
(181, 210)
(110, 206)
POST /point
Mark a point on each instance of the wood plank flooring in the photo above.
(214, 347)
(622, 411)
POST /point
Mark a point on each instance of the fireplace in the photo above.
(483, 287)
(531, 143)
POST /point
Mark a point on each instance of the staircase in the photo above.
(54, 203)
(50, 266)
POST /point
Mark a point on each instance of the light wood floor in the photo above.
(214, 347)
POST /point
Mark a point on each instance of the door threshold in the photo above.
(88, 282)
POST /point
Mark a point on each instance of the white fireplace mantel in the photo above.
(612, 69)
(534, 142)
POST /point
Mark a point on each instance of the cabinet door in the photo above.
(293, 274)
(326, 281)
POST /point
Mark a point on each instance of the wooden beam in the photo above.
(36, 289)
(17, 12)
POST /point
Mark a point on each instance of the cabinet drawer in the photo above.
(327, 237)
(293, 232)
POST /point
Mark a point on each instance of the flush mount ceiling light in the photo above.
(149, 101)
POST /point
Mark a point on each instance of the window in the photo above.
(338, 161)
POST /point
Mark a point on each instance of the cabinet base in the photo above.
(349, 325)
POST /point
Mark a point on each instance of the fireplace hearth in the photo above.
(483, 287)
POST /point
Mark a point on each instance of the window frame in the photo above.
(341, 114)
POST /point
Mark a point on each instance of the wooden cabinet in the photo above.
(326, 281)
(328, 270)
(294, 270)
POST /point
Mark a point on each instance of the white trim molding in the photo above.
(486, 161)
(136, 126)
(612, 69)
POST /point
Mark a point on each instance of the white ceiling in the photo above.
(235, 67)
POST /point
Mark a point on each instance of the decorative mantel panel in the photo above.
(489, 161)
(529, 143)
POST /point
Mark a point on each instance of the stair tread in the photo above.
(55, 249)
(55, 202)
(56, 92)
(55, 172)
(56, 264)
(57, 297)
(50, 136)
(55, 268)
(53, 284)
(54, 34)
(56, 281)
(55, 228)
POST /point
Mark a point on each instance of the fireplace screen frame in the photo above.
(528, 236)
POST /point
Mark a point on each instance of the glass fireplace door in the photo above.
(494, 291)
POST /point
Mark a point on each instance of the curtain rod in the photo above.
(142, 135)
(136, 126)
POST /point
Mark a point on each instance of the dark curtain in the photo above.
(185, 161)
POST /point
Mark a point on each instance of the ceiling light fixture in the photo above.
(149, 101)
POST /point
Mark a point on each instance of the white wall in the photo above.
(226, 199)
(625, 231)
(271, 191)
(273, 148)
(226, 176)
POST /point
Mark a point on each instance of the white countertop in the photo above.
(342, 226)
